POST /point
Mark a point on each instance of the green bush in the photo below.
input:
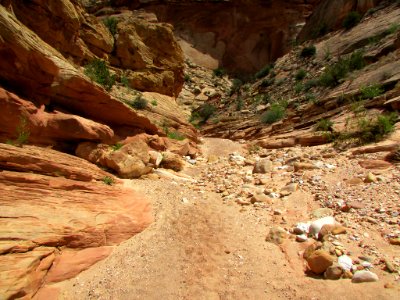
(310, 84)
(310, 97)
(219, 72)
(333, 74)
(97, 71)
(324, 125)
(125, 81)
(376, 129)
(351, 20)
(239, 103)
(117, 146)
(139, 103)
(300, 75)
(187, 78)
(371, 91)
(267, 82)
(203, 113)
(298, 88)
(236, 84)
(175, 135)
(108, 180)
(308, 51)
(264, 71)
(274, 114)
(111, 24)
(154, 103)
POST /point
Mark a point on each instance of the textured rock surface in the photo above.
(46, 128)
(48, 162)
(65, 26)
(48, 78)
(50, 212)
(150, 53)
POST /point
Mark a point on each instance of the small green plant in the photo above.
(108, 180)
(392, 29)
(111, 23)
(310, 97)
(373, 130)
(267, 82)
(236, 84)
(239, 103)
(219, 72)
(139, 102)
(97, 71)
(175, 135)
(264, 71)
(202, 114)
(154, 102)
(308, 51)
(23, 132)
(371, 91)
(309, 84)
(324, 125)
(275, 113)
(117, 146)
(298, 88)
(351, 20)
(187, 78)
(333, 74)
(320, 30)
(125, 81)
(262, 98)
(300, 75)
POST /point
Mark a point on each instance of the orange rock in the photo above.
(70, 263)
(319, 261)
(375, 164)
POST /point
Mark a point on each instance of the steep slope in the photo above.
(344, 78)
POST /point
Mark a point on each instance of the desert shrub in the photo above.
(351, 20)
(97, 71)
(275, 113)
(324, 125)
(267, 82)
(310, 97)
(176, 135)
(376, 129)
(239, 103)
(264, 71)
(125, 81)
(236, 84)
(371, 91)
(219, 72)
(298, 88)
(320, 30)
(392, 29)
(108, 180)
(117, 146)
(336, 72)
(111, 24)
(22, 132)
(205, 111)
(139, 102)
(154, 103)
(308, 51)
(310, 84)
(187, 78)
(300, 75)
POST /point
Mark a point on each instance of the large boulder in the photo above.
(132, 160)
(51, 227)
(44, 127)
(151, 54)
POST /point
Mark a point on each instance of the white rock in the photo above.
(302, 228)
(345, 262)
(301, 238)
(364, 276)
(316, 226)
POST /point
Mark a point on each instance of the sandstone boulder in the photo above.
(172, 161)
(53, 212)
(319, 261)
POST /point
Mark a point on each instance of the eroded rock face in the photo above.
(49, 212)
(48, 78)
(65, 26)
(44, 127)
(329, 15)
(150, 53)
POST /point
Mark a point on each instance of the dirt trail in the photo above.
(200, 247)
